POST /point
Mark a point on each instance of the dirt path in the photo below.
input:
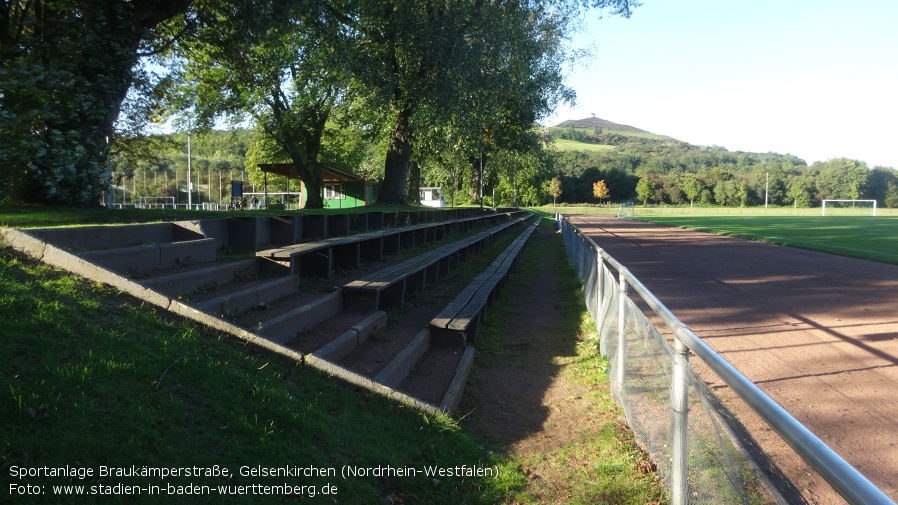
(504, 399)
(521, 395)
(816, 332)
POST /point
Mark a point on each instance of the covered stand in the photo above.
(341, 189)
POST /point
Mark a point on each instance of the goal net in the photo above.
(155, 202)
(625, 211)
(848, 208)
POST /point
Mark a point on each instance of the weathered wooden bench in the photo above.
(458, 322)
(322, 257)
(388, 288)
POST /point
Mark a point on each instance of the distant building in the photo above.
(432, 197)
(341, 190)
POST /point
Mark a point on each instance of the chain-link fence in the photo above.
(672, 413)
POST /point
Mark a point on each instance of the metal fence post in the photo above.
(621, 330)
(680, 407)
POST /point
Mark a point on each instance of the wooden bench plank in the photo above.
(459, 320)
(348, 251)
(413, 274)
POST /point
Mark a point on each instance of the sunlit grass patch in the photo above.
(867, 237)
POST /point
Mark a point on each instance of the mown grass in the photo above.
(91, 378)
(859, 236)
(641, 211)
(867, 237)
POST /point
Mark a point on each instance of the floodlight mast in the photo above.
(189, 193)
(110, 193)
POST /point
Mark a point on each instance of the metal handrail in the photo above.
(844, 478)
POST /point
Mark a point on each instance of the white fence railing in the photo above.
(672, 413)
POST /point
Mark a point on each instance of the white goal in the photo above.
(625, 211)
(155, 202)
(848, 207)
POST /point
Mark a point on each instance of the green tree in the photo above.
(692, 187)
(555, 189)
(882, 186)
(841, 178)
(433, 62)
(645, 188)
(727, 193)
(741, 194)
(405, 54)
(271, 63)
(670, 190)
(65, 69)
(801, 191)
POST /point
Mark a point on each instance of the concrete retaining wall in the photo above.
(87, 238)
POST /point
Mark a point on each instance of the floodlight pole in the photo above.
(452, 174)
(189, 195)
(481, 179)
(766, 189)
(110, 194)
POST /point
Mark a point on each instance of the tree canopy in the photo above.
(273, 63)
(484, 70)
(65, 69)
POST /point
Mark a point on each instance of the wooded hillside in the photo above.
(653, 168)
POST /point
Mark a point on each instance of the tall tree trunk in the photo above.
(314, 198)
(303, 145)
(478, 165)
(414, 183)
(314, 173)
(392, 191)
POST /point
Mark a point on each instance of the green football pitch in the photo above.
(868, 237)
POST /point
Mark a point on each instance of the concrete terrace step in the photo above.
(285, 326)
(353, 338)
(139, 261)
(185, 282)
(187, 246)
(230, 304)
(456, 363)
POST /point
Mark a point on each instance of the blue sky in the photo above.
(817, 79)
